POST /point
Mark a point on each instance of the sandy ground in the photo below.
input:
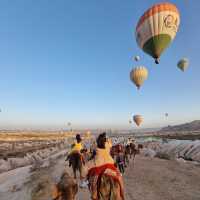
(156, 179)
(148, 179)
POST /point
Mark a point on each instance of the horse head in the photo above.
(66, 189)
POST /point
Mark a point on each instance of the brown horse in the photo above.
(43, 186)
(127, 153)
(76, 161)
(108, 189)
(106, 186)
(66, 189)
(134, 150)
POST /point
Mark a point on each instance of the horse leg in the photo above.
(134, 159)
(130, 154)
(80, 172)
(127, 159)
(123, 168)
(74, 171)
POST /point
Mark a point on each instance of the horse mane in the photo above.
(108, 188)
(66, 189)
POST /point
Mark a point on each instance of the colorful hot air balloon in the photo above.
(157, 28)
(138, 119)
(137, 58)
(138, 75)
(183, 64)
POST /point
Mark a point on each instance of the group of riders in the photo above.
(101, 167)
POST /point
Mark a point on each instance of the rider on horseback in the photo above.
(103, 177)
(75, 148)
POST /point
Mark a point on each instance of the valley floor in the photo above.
(148, 179)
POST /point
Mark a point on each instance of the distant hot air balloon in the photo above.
(137, 58)
(183, 64)
(156, 29)
(138, 75)
(138, 119)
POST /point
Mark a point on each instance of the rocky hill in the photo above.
(191, 126)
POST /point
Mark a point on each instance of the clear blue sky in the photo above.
(69, 60)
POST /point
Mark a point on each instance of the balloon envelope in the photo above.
(138, 119)
(183, 64)
(138, 75)
(156, 28)
(137, 58)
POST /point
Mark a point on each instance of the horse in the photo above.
(66, 189)
(106, 186)
(43, 186)
(127, 153)
(108, 189)
(77, 162)
(134, 150)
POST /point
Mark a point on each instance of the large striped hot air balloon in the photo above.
(138, 119)
(157, 28)
(138, 75)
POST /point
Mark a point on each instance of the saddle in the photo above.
(76, 153)
(104, 181)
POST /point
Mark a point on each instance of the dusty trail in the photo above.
(148, 179)
(156, 179)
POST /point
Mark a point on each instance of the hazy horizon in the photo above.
(53, 127)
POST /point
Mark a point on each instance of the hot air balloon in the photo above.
(138, 75)
(183, 64)
(137, 58)
(138, 119)
(156, 29)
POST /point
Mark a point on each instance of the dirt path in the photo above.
(148, 179)
(156, 179)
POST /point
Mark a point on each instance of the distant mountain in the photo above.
(191, 126)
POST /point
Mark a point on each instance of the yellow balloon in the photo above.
(138, 75)
(138, 119)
